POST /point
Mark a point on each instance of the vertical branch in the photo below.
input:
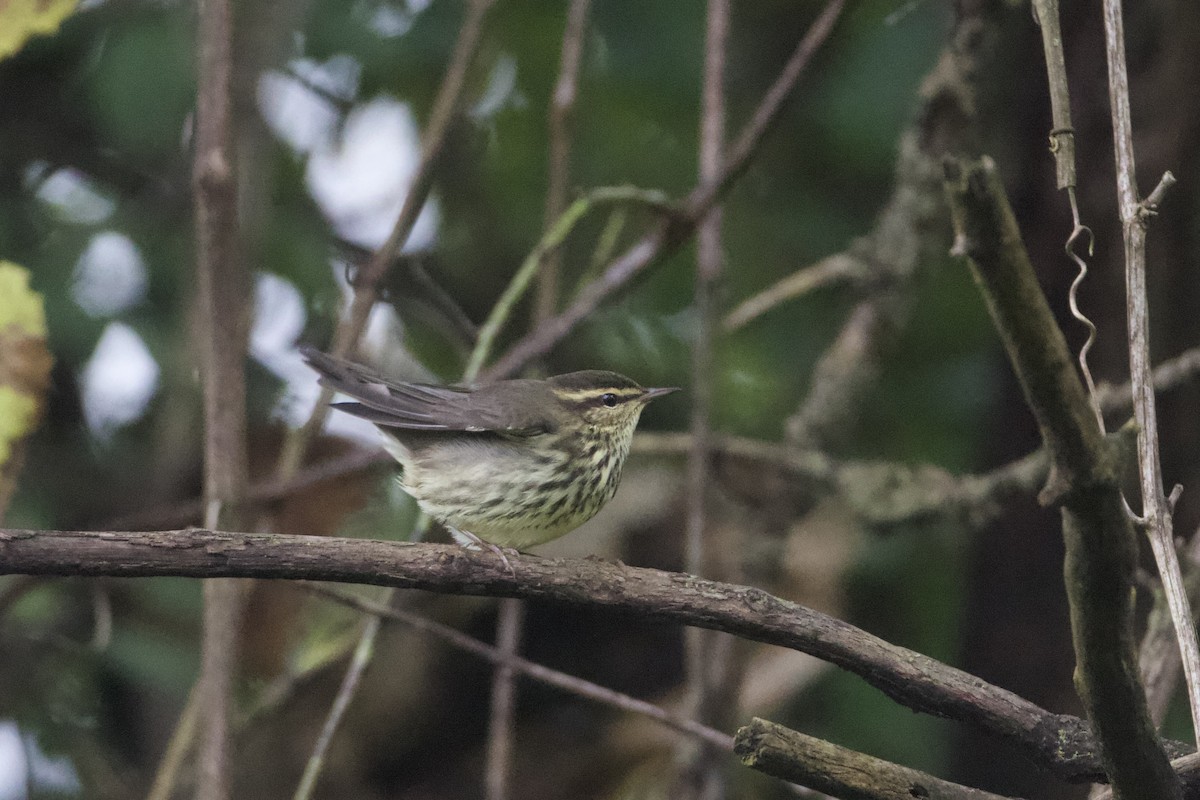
(221, 291)
(702, 775)
(708, 273)
(1062, 135)
(561, 119)
(1156, 507)
(502, 719)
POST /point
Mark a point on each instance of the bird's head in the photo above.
(604, 401)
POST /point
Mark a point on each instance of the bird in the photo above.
(506, 465)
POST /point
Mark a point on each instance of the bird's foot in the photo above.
(470, 541)
(504, 553)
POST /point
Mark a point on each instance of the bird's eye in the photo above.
(609, 400)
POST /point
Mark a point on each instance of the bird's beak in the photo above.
(653, 393)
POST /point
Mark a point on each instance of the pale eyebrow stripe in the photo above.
(580, 395)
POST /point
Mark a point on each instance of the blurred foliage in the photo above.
(95, 136)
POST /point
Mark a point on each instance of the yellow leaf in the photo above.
(18, 415)
(19, 305)
(21, 19)
(25, 364)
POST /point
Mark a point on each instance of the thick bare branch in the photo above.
(1101, 547)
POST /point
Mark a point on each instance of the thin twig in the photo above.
(367, 289)
(833, 269)
(363, 653)
(1170, 374)
(907, 233)
(668, 236)
(367, 283)
(1062, 134)
(268, 491)
(1062, 145)
(223, 318)
(1158, 657)
(530, 669)
(1156, 510)
(423, 285)
(166, 775)
(366, 292)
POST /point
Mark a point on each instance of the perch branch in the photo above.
(1061, 743)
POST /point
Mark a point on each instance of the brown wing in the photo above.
(419, 406)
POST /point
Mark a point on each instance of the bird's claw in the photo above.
(503, 552)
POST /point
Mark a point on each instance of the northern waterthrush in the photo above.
(510, 464)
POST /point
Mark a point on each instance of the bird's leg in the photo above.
(468, 539)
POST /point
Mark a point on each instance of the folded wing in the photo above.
(415, 406)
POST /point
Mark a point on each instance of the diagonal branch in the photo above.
(668, 236)
(530, 669)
